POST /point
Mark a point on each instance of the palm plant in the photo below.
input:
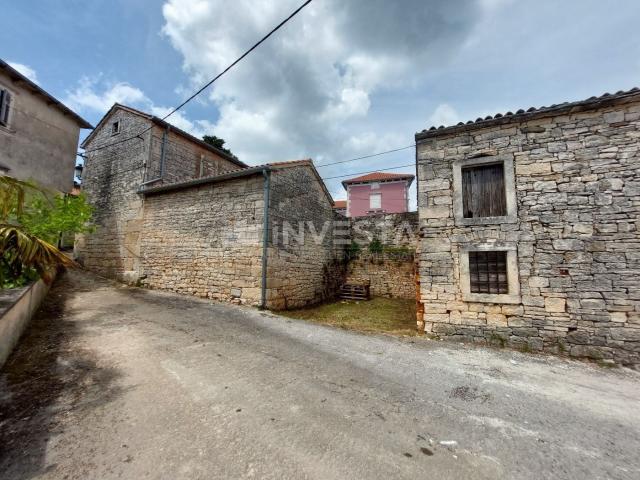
(20, 250)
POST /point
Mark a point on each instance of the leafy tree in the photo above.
(30, 222)
(216, 142)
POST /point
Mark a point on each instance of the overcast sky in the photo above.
(345, 78)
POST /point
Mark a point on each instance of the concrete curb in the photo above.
(15, 318)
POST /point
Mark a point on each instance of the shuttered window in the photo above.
(375, 201)
(488, 272)
(5, 105)
(483, 191)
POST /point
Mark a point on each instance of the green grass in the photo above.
(389, 315)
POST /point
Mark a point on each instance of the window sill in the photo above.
(486, 220)
(491, 298)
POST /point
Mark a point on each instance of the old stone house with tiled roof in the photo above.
(175, 213)
(530, 229)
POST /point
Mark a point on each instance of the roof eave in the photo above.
(51, 100)
(525, 116)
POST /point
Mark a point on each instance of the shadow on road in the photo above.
(48, 380)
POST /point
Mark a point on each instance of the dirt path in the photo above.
(114, 382)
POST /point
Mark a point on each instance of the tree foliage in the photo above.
(31, 221)
(216, 142)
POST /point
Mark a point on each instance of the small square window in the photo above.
(483, 192)
(375, 186)
(375, 201)
(488, 272)
(115, 128)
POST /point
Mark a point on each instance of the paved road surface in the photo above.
(114, 382)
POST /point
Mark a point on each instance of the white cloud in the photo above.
(85, 97)
(310, 90)
(445, 115)
(25, 70)
(95, 95)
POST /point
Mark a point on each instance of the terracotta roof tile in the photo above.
(522, 114)
(340, 204)
(378, 177)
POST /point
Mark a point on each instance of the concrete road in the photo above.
(115, 382)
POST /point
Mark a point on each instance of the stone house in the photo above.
(175, 213)
(38, 134)
(530, 229)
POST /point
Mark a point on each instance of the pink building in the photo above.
(378, 192)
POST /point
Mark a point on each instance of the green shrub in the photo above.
(376, 246)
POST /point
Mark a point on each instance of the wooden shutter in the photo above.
(483, 192)
(488, 272)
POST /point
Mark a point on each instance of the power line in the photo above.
(370, 171)
(209, 83)
(367, 156)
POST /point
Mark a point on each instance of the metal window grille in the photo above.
(488, 272)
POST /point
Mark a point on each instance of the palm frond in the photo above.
(16, 245)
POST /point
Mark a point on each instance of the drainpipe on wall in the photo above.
(419, 304)
(163, 151)
(265, 236)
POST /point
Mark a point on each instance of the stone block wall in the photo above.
(206, 240)
(576, 234)
(111, 178)
(184, 159)
(305, 263)
(393, 229)
(390, 274)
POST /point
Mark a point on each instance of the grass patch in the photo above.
(389, 315)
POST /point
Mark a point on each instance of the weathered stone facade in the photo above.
(173, 214)
(390, 273)
(112, 177)
(205, 240)
(572, 235)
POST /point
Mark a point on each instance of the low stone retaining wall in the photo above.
(388, 275)
(17, 306)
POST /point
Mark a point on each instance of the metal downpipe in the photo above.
(265, 236)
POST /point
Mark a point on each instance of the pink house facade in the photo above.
(378, 192)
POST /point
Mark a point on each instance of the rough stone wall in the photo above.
(183, 159)
(206, 241)
(111, 178)
(577, 183)
(393, 229)
(305, 262)
(390, 274)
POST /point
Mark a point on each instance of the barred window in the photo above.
(488, 272)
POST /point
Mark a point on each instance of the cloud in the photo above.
(86, 97)
(311, 89)
(445, 115)
(96, 95)
(25, 70)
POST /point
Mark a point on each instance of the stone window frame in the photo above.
(513, 278)
(509, 186)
